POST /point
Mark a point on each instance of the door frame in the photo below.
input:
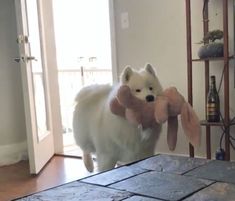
(113, 42)
(50, 50)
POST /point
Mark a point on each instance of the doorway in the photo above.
(83, 48)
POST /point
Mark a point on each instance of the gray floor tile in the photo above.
(162, 185)
(77, 191)
(170, 163)
(216, 170)
(215, 192)
(114, 175)
(140, 198)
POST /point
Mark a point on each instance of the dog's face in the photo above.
(144, 83)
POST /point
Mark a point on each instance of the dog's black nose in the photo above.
(149, 98)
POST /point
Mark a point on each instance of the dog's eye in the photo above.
(138, 90)
(150, 88)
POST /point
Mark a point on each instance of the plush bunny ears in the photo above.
(168, 107)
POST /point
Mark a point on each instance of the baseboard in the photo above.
(13, 153)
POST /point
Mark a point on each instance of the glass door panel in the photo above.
(37, 68)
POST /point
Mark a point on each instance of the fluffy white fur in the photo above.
(110, 137)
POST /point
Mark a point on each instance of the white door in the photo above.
(35, 83)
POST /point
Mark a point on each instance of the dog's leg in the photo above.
(88, 161)
(105, 162)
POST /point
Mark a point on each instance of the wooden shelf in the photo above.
(207, 64)
(212, 59)
(206, 123)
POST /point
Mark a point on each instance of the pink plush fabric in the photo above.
(167, 107)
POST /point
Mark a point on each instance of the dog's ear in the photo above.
(150, 69)
(126, 74)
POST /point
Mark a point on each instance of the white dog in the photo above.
(110, 137)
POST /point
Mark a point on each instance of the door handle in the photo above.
(24, 59)
(30, 58)
(17, 59)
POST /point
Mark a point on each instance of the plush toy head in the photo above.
(167, 107)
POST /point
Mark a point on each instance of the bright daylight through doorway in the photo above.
(82, 34)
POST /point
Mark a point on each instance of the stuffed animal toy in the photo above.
(166, 107)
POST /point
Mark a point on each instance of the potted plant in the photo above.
(211, 47)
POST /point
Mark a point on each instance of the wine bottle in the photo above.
(213, 102)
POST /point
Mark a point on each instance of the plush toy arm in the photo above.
(191, 124)
(126, 105)
(116, 107)
(161, 109)
(172, 130)
(128, 100)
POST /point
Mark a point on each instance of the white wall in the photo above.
(157, 34)
(12, 120)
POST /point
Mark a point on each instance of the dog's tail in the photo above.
(88, 161)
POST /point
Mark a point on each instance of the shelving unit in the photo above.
(225, 59)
